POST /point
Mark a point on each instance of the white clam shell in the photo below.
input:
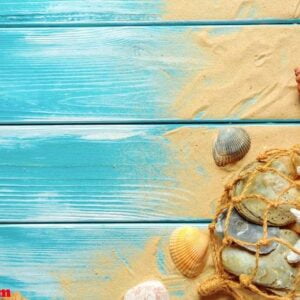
(296, 213)
(293, 257)
(149, 290)
(231, 145)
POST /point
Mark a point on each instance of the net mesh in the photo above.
(224, 281)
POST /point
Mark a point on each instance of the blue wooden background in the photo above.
(97, 165)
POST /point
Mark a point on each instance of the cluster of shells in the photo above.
(278, 265)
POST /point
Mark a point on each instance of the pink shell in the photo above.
(149, 290)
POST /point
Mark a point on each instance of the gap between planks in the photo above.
(153, 23)
(97, 224)
(155, 122)
(161, 222)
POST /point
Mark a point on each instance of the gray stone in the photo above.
(245, 231)
(273, 269)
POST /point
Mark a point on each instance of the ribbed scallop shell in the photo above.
(231, 145)
(188, 247)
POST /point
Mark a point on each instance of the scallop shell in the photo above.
(231, 145)
(188, 247)
(152, 289)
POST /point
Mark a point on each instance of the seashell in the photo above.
(243, 230)
(293, 257)
(152, 289)
(231, 145)
(296, 213)
(296, 226)
(273, 269)
(188, 247)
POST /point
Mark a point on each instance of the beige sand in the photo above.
(198, 175)
(236, 9)
(250, 63)
(247, 73)
(142, 266)
(109, 274)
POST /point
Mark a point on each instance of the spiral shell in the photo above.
(231, 145)
(188, 247)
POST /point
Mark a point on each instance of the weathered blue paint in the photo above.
(101, 11)
(99, 173)
(58, 11)
(103, 172)
(107, 72)
(101, 74)
(94, 74)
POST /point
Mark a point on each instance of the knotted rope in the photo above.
(224, 281)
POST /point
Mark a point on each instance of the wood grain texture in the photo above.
(118, 173)
(92, 74)
(75, 262)
(91, 11)
(148, 73)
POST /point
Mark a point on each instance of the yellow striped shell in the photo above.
(231, 145)
(188, 247)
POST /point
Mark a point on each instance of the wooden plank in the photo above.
(118, 173)
(87, 261)
(148, 73)
(91, 11)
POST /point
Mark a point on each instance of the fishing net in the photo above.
(274, 204)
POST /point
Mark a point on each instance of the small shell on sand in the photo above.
(149, 290)
(231, 145)
(188, 248)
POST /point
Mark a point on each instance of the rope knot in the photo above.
(212, 227)
(274, 205)
(211, 286)
(261, 169)
(263, 242)
(227, 241)
(245, 280)
(228, 187)
(236, 200)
